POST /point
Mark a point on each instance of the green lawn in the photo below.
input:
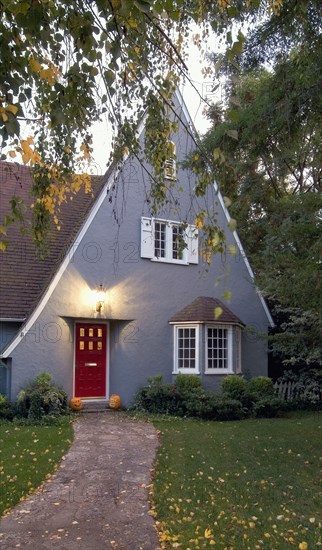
(248, 484)
(28, 454)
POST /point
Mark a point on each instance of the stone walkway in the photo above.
(98, 499)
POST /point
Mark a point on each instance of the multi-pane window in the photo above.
(159, 239)
(187, 356)
(178, 242)
(217, 346)
(186, 348)
(218, 349)
(169, 241)
(222, 350)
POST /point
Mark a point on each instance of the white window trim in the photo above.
(176, 370)
(230, 369)
(169, 243)
(189, 253)
(238, 350)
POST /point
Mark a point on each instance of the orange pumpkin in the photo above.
(115, 402)
(76, 404)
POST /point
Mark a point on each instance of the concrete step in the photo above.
(95, 406)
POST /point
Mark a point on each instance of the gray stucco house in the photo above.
(117, 299)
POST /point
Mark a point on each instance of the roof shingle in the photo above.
(24, 276)
(202, 310)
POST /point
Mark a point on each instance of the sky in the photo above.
(102, 138)
(191, 92)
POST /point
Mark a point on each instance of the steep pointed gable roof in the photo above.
(202, 310)
(227, 215)
(24, 276)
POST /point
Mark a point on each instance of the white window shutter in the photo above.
(147, 241)
(192, 242)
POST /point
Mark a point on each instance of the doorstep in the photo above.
(95, 406)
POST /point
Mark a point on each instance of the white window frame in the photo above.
(176, 369)
(169, 244)
(230, 348)
(238, 350)
(190, 236)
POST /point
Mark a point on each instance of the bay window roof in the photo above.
(202, 310)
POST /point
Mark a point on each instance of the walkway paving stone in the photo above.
(98, 498)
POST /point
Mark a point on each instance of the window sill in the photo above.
(219, 371)
(186, 371)
(166, 261)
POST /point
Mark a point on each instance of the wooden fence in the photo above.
(293, 390)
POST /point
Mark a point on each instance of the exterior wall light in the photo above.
(100, 299)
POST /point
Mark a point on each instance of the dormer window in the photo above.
(170, 168)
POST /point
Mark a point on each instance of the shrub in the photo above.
(41, 398)
(157, 398)
(228, 409)
(187, 398)
(260, 387)
(187, 383)
(193, 404)
(268, 407)
(219, 407)
(307, 390)
(234, 386)
(5, 408)
(190, 395)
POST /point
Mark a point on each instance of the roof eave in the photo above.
(213, 321)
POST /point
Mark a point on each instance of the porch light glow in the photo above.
(100, 299)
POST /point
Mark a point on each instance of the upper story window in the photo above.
(168, 241)
(170, 168)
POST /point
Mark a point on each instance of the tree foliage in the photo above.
(265, 141)
(65, 63)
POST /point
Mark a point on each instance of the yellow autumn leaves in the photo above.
(28, 456)
(235, 485)
(8, 109)
(49, 74)
(59, 186)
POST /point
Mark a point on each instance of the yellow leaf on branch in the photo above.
(12, 109)
(28, 154)
(3, 114)
(34, 65)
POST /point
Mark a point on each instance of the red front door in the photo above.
(90, 360)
